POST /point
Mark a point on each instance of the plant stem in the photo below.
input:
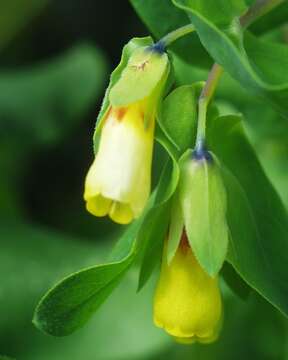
(204, 99)
(258, 9)
(175, 35)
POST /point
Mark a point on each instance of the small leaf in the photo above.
(175, 228)
(179, 115)
(151, 239)
(170, 174)
(155, 225)
(70, 304)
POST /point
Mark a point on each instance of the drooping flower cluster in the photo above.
(187, 302)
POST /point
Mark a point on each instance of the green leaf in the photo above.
(151, 239)
(256, 217)
(144, 71)
(170, 174)
(43, 103)
(155, 225)
(175, 228)
(155, 13)
(235, 282)
(22, 250)
(263, 78)
(179, 115)
(128, 49)
(273, 19)
(71, 303)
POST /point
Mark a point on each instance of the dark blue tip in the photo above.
(159, 47)
(201, 153)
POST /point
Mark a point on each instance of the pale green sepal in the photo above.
(203, 200)
(144, 71)
(175, 228)
(128, 49)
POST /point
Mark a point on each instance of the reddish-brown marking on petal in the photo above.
(184, 243)
(107, 114)
(140, 66)
(120, 112)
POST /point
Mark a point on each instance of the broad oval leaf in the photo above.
(256, 217)
(71, 303)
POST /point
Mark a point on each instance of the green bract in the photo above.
(128, 49)
(145, 69)
(142, 71)
(203, 201)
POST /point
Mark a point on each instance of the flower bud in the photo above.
(118, 182)
(187, 303)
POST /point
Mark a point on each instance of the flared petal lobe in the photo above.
(118, 182)
(187, 303)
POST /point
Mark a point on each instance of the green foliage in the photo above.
(44, 102)
(43, 256)
(15, 15)
(179, 111)
(256, 217)
(235, 282)
(155, 13)
(230, 53)
(151, 239)
(71, 303)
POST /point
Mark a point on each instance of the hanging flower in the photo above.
(187, 303)
(119, 180)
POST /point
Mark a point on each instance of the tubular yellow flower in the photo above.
(118, 182)
(187, 303)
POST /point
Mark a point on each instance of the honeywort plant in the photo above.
(212, 203)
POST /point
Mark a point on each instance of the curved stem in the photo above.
(175, 35)
(258, 9)
(204, 99)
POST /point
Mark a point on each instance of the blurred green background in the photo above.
(55, 60)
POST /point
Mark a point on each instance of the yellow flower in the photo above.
(187, 303)
(118, 182)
